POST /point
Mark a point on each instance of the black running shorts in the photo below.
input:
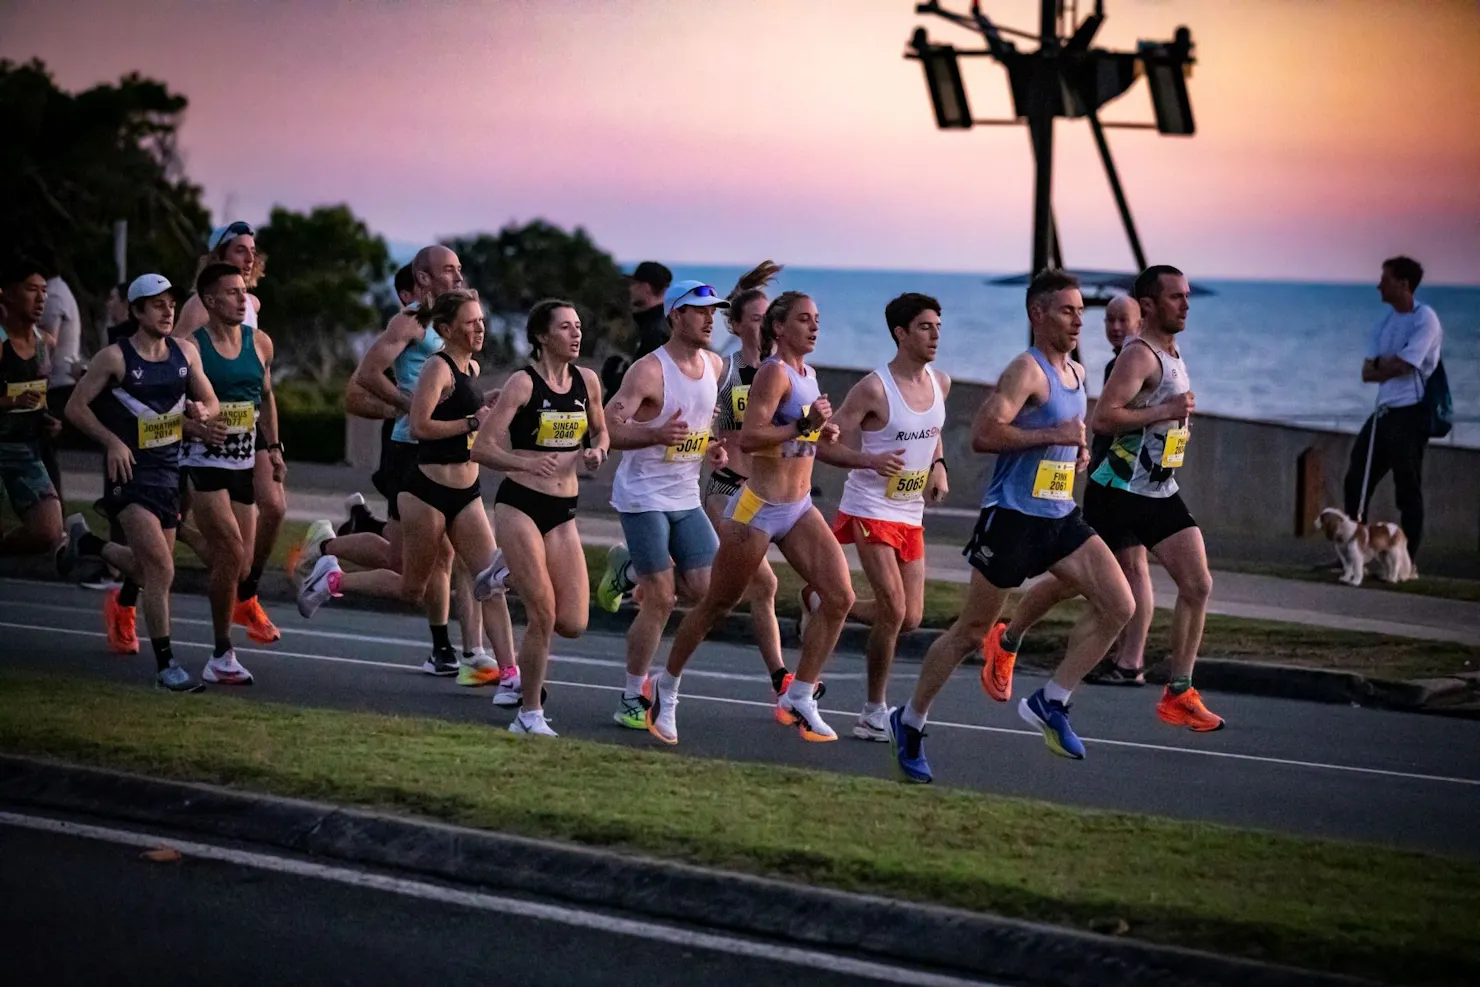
(1125, 519)
(1009, 547)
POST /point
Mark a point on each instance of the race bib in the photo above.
(17, 388)
(472, 437)
(808, 436)
(1054, 481)
(909, 485)
(689, 450)
(739, 395)
(156, 431)
(239, 416)
(1175, 448)
(560, 429)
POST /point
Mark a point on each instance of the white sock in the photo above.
(1055, 692)
(634, 685)
(873, 708)
(668, 683)
(910, 718)
(531, 716)
(800, 691)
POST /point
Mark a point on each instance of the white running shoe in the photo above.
(226, 670)
(662, 715)
(478, 670)
(803, 714)
(532, 723)
(490, 581)
(310, 550)
(873, 725)
(354, 500)
(321, 584)
(509, 692)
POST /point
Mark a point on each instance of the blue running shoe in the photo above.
(909, 749)
(1053, 719)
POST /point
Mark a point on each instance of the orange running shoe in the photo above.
(997, 664)
(119, 622)
(1187, 710)
(249, 614)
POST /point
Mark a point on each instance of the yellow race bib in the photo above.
(16, 389)
(156, 431)
(689, 450)
(908, 485)
(739, 395)
(1054, 481)
(1175, 448)
(239, 416)
(561, 429)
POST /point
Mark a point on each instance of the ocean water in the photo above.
(1268, 350)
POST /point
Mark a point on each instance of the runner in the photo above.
(548, 418)
(786, 420)
(662, 417)
(441, 498)
(1029, 524)
(237, 360)
(25, 365)
(1132, 496)
(132, 401)
(1124, 664)
(236, 244)
(899, 407)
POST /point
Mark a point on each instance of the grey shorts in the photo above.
(661, 540)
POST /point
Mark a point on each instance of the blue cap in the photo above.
(224, 234)
(682, 293)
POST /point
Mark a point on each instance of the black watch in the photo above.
(472, 421)
(278, 447)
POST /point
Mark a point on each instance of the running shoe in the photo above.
(322, 583)
(353, 505)
(1187, 710)
(173, 678)
(997, 663)
(249, 614)
(809, 601)
(508, 692)
(872, 726)
(69, 553)
(534, 724)
(818, 691)
(1052, 717)
(909, 748)
(120, 623)
(441, 663)
(610, 589)
(661, 719)
(226, 670)
(490, 581)
(803, 714)
(480, 669)
(303, 556)
(632, 711)
(105, 581)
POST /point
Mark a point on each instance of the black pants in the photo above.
(1402, 434)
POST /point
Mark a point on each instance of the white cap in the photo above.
(147, 286)
(697, 293)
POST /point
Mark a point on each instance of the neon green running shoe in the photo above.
(609, 591)
(632, 712)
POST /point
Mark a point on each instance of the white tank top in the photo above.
(900, 497)
(666, 478)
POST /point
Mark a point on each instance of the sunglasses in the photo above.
(240, 228)
(703, 291)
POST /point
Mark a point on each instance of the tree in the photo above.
(326, 273)
(520, 265)
(74, 164)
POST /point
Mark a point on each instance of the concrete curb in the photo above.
(949, 939)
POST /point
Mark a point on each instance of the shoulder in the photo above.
(718, 363)
(519, 386)
(869, 389)
(256, 302)
(110, 357)
(263, 342)
(942, 380)
(1427, 318)
(591, 379)
(403, 326)
(769, 374)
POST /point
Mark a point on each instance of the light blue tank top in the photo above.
(1040, 481)
(408, 367)
(793, 408)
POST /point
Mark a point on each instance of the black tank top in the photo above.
(18, 373)
(550, 421)
(145, 409)
(464, 400)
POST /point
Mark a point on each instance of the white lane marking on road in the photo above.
(517, 907)
(949, 724)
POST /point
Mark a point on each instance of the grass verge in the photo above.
(1400, 915)
(1443, 587)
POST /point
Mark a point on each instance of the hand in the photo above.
(1180, 406)
(546, 465)
(593, 458)
(939, 486)
(279, 467)
(1081, 462)
(887, 463)
(118, 462)
(819, 414)
(671, 432)
(194, 410)
(491, 398)
(482, 414)
(830, 434)
(50, 427)
(1070, 433)
(403, 401)
(216, 431)
(717, 455)
(27, 401)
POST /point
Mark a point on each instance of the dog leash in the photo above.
(1377, 411)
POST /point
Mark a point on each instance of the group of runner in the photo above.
(190, 433)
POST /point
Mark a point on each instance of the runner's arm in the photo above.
(492, 448)
(269, 398)
(433, 386)
(766, 391)
(596, 431)
(993, 430)
(105, 369)
(362, 404)
(634, 409)
(1134, 369)
(391, 343)
(863, 400)
(198, 388)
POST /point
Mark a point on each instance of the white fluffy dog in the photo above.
(1357, 544)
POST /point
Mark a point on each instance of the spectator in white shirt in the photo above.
(1403, 354)
(63, 326)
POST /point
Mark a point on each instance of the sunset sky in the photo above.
(1330, 134)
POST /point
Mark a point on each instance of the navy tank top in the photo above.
(146, 410)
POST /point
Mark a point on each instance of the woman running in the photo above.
(786, 417)
(548, 418)
(442, 495)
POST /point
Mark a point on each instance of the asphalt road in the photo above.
(83, 906)
(1397, 779)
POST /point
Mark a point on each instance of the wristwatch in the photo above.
(472, 421)
(942, 461)
(278, 447)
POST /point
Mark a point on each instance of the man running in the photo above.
(1029, 524)
(662, 418)
(901, 407)
(1132, 496)
(237, 360)
(25, 365)
(132, 401)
